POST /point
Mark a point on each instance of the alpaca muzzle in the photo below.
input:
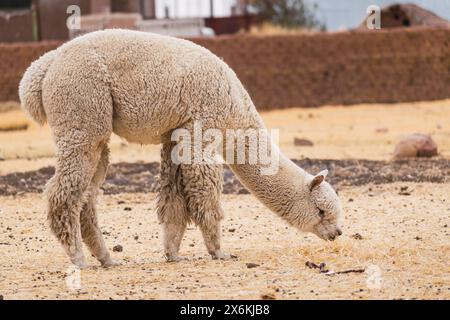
(326, 234)
(335, 234)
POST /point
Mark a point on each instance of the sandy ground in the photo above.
(338, 132)
(400, 242)
(404, 250)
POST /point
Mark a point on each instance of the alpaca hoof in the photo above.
(111, 263)
(81, 265)
(175, 258)
(223, 256)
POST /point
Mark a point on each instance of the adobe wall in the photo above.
(309, 69)
(14, 60)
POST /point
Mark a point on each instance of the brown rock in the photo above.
(415, 145)
(118, 248)
(357, 236)
(311, 265)
(252, 265)
(268, 296)
(381, 130)
(303, 142)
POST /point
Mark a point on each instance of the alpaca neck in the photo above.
(279, 191)
(284, 192)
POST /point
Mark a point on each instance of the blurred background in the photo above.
(374, 85)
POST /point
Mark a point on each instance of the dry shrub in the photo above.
(13, 120)
(9, 105)
(266, 28)
(14, 126)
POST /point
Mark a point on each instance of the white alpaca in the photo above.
(143, 86)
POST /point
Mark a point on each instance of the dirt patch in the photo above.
(143, 177)
(404, 251)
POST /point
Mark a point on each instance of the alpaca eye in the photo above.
(321, 213)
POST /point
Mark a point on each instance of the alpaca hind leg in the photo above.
(79, 112)
(66, 193)
(90, 230)
(171, 206)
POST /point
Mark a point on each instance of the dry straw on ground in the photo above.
(405, 238)
(265, 29)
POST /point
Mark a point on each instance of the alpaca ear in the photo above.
(317, 180)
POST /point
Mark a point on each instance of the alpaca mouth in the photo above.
(335, 235)
(332, 237)
(329, 236)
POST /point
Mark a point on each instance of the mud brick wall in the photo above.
(14, 60)
(341, 68)
(309, 70)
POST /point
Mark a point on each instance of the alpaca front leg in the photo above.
(171, 205)
(212, 236)
(173, 234)
(202, 189)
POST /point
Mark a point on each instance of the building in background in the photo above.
(18, 21)
(28, 20)
(348, 14)
(408, 15)
(31, 20)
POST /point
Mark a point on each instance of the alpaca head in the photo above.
(320, 210)
(325, 218)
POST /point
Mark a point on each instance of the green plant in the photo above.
(287, 13)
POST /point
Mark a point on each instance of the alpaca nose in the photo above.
(339, 231)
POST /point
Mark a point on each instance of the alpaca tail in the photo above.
(30, 87)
